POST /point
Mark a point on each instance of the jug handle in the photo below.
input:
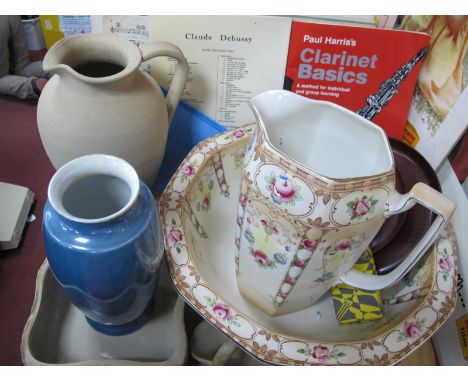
(426, 196)
(159, 48)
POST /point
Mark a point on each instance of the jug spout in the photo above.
(93, 58)
(52, 62)
(276, 109)
(54, 68)
(321, 137)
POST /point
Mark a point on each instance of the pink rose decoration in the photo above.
(263, 221)
(283, 188)
(222, 311)
(308, 244)
(218, 165)
(206, 202)
(242, 199)
(343, 246)
(238, 133)
(415, 295)
(189, 170)
(412, 329)
(321, 353)
(261, 257)
(361, 207)
(175, 235)
(445, 264)
(400, 299)
(290, 280)
(298, 263)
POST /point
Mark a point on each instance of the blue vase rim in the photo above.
(93, 164)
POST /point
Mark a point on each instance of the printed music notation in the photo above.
(132, 28)
(231, 59)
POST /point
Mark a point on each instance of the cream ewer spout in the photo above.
(99, 101)
(317, 185)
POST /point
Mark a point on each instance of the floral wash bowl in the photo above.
(199, 209)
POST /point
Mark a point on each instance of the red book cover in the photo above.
(370, 71)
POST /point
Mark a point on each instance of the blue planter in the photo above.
(105, 255)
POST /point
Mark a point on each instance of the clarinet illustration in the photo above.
(389, 88)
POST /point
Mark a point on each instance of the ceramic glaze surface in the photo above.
(102, 110)
(322, 136)
(107, 267)
(312, 199)
(199, 209)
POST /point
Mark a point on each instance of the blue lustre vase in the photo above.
(103, 241)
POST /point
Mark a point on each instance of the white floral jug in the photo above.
(317, 185)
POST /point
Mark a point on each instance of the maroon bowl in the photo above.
(400, 233)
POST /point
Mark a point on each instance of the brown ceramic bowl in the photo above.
(400, 233)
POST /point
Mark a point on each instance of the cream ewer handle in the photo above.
(426, 196)
(156, 49)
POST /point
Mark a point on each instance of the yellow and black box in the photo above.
(354, 304)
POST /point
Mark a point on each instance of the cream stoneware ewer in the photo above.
(100, 102)
(318, 184)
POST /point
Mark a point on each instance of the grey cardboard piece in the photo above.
(15, 203)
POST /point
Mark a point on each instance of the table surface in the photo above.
(23, 161)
